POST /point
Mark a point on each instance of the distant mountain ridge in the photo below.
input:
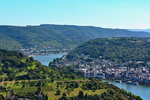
(59, 36)
(144, 30)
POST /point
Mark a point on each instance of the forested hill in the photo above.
(115, 49)
(60, 36)
(16, 66)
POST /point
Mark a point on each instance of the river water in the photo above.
(142, 91)
(45, 59)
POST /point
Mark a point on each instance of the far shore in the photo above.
(33, 55)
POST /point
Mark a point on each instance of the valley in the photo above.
(74, 50)
(23, 77)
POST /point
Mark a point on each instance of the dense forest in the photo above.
(115, 49)
(25, 78)
(58, 36)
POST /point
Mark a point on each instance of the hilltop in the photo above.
(56, 36)
(115, 49)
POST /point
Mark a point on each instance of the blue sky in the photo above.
(101, 13)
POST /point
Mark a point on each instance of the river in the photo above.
(142, 91)
(45, 59)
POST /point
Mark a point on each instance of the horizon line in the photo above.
(72, 25)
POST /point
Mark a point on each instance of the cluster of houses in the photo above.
(105, 69)
(43, 51)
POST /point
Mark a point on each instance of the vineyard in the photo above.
(49, 89)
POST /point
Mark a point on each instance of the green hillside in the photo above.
(15, 66)
(115, 49)
(24, 77)
(8, 43)
(58, 36)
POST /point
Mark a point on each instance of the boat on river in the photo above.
(118, 81)
(132, 83)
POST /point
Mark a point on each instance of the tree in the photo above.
(38, 84)
(7, 64)
(86, 95)
(110, 91)
(138, 98)
(73, 76)
(1, 97)
(31, 58)
(80, 95)
(23, 85)
(58, 92)
(76, 85)
(63, 96)
(46, 97)
(38, 90)
(52, 79)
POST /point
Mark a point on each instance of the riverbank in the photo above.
(31, 52)
(34, 55)
(130, 82)
(140, 90)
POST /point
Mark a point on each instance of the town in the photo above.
(130, 72)
(43, 51)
